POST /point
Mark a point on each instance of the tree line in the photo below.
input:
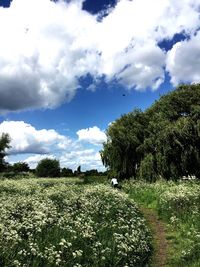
(163, 141)
(45, 168)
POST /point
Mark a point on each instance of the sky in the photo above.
(70, 68)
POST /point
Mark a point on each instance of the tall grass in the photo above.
(179, 205)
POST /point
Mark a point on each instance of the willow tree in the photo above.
(124, 137)
(163, 141)
(173, 137)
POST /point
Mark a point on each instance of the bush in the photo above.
(48, 168)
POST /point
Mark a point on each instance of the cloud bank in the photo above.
(47, 46)
(26, 139)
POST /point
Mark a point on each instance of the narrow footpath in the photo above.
(159, 237)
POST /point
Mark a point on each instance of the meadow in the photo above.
(178, 205)
(64, 222)
(77, 222)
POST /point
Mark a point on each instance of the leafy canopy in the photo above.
(163, 141)
(48, 168)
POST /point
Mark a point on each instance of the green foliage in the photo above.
(4, 144)
(92, 179)
(78, 172)
(48, 168)
(66, 172)
(8, 175)
(112, 173)
(16, 175)
(178, 204)
(163, 141)
(79, 169)
(92, 172)
(120, 153)
(20, 167)
(147, 170)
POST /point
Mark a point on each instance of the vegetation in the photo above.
(178, 204)
(4, 144)
(78, 222)
(66, 172)
(20, 167)
(48, 168)
(56, 222)
(163, 141)
(92, 172)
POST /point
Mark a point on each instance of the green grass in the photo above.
(178, 204)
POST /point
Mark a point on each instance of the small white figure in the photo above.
(114, 182)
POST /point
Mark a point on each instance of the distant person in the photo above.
(114, 183)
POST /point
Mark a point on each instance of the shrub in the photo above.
(48, 168)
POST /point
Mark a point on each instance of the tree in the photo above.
(4, 144)
(173, 135)
(79, 169)
(20, 167)
(163, 141)
(66, 172)
(124, 137)
(48, 168)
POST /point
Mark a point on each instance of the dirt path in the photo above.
(159, 236)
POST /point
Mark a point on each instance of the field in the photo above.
(63, 222)
(178, 205)
(72, 222)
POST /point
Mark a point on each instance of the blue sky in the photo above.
(69, 68)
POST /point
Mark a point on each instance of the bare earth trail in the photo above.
(159, 237)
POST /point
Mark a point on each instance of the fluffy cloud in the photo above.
(39, 60)
(92, 135)
(47, 46)
(183, 61)
(32, 161)
(147, 69)
(26, 139)
(48, 143)
(88, 159)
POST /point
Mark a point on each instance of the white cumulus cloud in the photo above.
(44, 143)
(38, 59)
(86, 158)
(26, 139)
(183, 61)
(47, 46)
(92, 135)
